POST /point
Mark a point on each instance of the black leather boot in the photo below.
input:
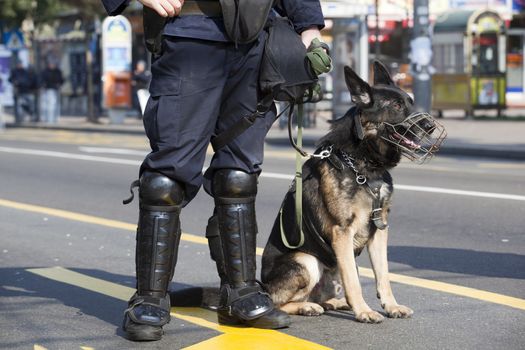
(158, 236)
(242, 299)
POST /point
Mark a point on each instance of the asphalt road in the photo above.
(455, 221)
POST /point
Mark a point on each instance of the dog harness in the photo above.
(310, 239)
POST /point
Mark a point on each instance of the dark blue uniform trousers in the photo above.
(200, 88)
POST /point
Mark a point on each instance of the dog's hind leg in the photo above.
(377, 250)
(329, 292)
(343, 245)
(290, 289)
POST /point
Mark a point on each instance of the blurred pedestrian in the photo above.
(51, 80)
(24, 86)
(140, 84)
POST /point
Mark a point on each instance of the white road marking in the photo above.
(74, 156)
(108, 150)
(460, 192)
(279, 176)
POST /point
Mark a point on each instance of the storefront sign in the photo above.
(116, 62)
(116, 44)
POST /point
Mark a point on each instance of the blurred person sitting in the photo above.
(24, 85)
(140, 84)
(52, 80)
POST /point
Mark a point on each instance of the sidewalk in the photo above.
(503, 139)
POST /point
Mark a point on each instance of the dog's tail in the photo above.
(205, 297)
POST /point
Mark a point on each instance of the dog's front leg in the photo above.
(343, 245)
(377, 250)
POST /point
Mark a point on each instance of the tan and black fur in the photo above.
(305, 281)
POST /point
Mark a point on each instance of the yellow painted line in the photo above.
(501, 166)
(86, 348)
(38, 347)
(473, 293)
(467, 292)
(232, 337)
(69, 215)
(89, 219)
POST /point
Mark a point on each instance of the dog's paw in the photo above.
(336, 304)
(310, 309)
(398, 311)
(370, 316)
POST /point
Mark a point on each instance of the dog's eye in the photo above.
(397, 105)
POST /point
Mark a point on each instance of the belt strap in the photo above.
(209, 8)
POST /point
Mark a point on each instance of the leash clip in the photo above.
(325, 153)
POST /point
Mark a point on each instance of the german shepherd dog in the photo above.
(346, 202)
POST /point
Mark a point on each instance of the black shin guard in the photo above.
(242, 299)
(214, 243)
(158, 236)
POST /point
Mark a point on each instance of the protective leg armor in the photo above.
(242, 299)
(158, 236)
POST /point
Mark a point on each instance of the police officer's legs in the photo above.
(178, 125)
(158, 236)
(232, 180)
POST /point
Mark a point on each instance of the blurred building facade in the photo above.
(358, 31)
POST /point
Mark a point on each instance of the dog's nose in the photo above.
(428, 125)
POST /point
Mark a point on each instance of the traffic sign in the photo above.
(14, 40)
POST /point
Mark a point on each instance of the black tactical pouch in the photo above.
(285, 70)
(153, 27)
(245, 19)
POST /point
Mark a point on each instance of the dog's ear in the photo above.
(359, 89)
(381, 75)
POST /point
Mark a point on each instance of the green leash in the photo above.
(298, 182)
(319, 56)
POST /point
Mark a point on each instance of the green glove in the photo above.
(319, 57)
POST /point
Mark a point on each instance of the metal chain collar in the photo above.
(359, 178)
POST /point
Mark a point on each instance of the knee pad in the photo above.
(231, 183)
(159, 190)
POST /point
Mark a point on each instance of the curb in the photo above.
(102, 129)
(481, 151)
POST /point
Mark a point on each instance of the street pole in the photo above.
(421, 57)
(377, 48)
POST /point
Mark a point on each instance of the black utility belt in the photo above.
(206, 8)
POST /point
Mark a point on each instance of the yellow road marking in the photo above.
(233, 337)
(38, 347)
(501, 165)
(412, 281)
(452, 289)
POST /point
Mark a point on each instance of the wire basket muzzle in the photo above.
(418, 137)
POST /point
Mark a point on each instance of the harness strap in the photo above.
(225, 137)
(377, 210)
(134, 184)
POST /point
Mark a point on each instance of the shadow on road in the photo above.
(470, 262)
(17, 282)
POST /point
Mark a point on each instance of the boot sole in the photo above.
(144, 335)
(235, 321)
